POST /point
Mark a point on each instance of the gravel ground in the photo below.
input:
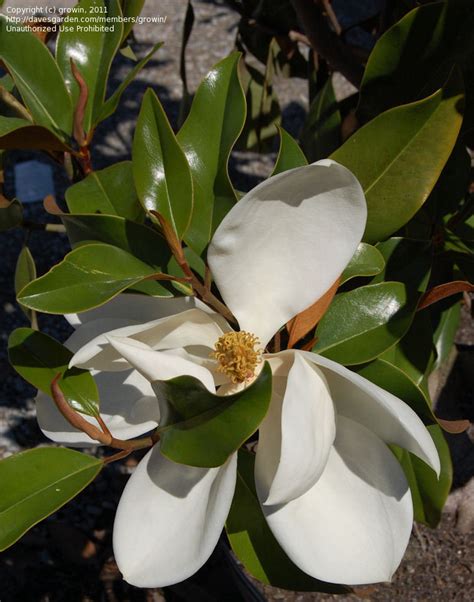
(68, 557)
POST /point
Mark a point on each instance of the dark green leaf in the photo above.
(38, 358)
(366, 261)
(428, 493)
(10, 124)
(220, 95)
(199, 428)
(446, 321)
(11, 214)
(399, 156)
(263, 108)
(254, 544)
(38, 79)
(363, 323)
(110, 190)
(321, 133)
(415, 56)
(36, 483)
(87, 277)
(91, 51)
(414, 354)
(112, 102)
(25, 272)
(407, 261)
(160, 168)
(140, 241)
(19, 133)
(289, 154)
(188, 23)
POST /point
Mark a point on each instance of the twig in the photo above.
(326, 43)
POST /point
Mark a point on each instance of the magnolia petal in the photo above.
(296, 435)
(169, 519)
(190, 328)
(128, 407)
(159, 365)
(381, 412)
(353, 526)
(134, 308)
(285, 242)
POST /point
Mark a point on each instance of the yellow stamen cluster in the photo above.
(236, 354)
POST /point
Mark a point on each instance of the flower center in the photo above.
(236, 355)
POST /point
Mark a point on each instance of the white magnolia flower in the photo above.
(333, 494)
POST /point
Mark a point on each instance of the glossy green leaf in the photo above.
(87, 277)
(110, 190)
(263, 108)
(25, 272)
(428, 493)
(111, 104)
(321, 133)
(11, 214)
(363, 323)
(91, 51)
(446, 321)
(142, 242)
(255, 545)
(407, 261)
(36, 483)
(160, 168)
(398, 157)
(38, 358)
(366, 261)
(391, 378)
(130, 8)
(38, 79)
(199, 428)
(220, 95)
(415, 56)
(289, 155)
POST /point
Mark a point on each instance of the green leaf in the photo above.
(391, 378)
(142, 242)
(160, 168)
(446, 321)
(407, 261)
(11, 214)
(110, 190)
(25, 272)
(199, 428)
(290, 154)
(220, 95)
(321, 133)
(255, 545)
(20, 133)
(414, 354)
(92, 52)
(38, 358)
(366, 261)
(429, 494)
(130, 8)
(36, 483)
(38, 79)
(263, 108)
(415, 56)
(363, 323)
(111, 104)
(398, 158)
(87, 277)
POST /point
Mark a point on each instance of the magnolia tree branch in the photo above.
(325, 42)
